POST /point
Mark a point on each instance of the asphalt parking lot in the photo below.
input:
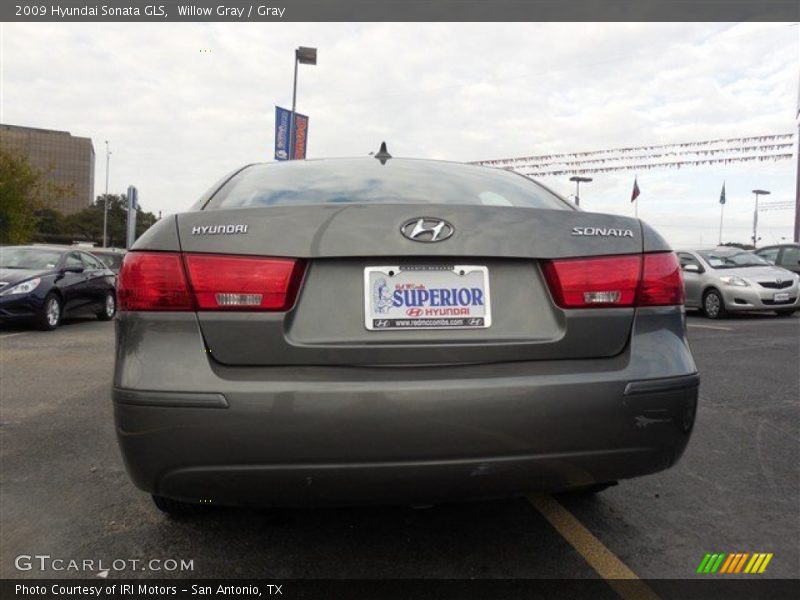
(65, 492)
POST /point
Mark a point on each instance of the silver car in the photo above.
(381, 330)
(733, 280)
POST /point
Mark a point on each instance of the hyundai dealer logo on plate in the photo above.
(427, 297)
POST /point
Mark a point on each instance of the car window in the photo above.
(73, 260)
(770, 254)
(732, 260)
(687, 259)
(790, 257)
(91, 262)
(367, 181)
(111, 260)
(21, 257)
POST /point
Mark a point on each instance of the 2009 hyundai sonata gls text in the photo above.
(396, 331)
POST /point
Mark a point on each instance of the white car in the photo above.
(733, 280)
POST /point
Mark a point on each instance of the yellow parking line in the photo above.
(616, 573)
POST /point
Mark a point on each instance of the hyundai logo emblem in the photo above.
(427, 229)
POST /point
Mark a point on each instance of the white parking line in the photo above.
(710, 327)
(12, 334)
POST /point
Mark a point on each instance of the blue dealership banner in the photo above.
(282, 121)
(282, 126)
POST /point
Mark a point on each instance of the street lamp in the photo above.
(306, 56)
(755, 215)
(105, 198)
(578, 180)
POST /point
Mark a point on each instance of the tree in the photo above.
(87, 225)
(25, 194)
(739, 245)
(22, 192)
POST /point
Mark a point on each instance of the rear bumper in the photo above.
(291, 436)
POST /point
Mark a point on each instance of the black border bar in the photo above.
(161, 11)
(730, 588)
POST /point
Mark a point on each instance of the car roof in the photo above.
(43, 247)
(721, 251)
(784, 245)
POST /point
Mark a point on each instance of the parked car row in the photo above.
(41, 284)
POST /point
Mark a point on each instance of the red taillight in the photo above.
(662, 282)
(242, 282)
(159, 281)
(615, 281)
(594, 282)
(153, 281)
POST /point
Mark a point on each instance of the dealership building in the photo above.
(64, 159)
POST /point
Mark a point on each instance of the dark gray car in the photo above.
(396, 331)
(786, 256)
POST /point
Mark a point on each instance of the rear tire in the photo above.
(109, 307)
(50, 316)
(714, 305)
(785, 312)
(175, 508)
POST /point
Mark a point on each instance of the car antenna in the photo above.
(383, 154)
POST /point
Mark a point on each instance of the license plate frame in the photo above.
(424, 275)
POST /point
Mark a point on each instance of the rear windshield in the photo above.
(367, 181)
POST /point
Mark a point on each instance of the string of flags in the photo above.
(739, 144)
(713, 152)
(661, 165)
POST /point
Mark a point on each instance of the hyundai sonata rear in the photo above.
(396, 331)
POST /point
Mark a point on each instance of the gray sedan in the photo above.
(733, 280)
(382, 330)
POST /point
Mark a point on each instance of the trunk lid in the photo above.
(326, 326)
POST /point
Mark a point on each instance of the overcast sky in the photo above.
(177, 118)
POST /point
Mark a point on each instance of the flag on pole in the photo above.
(635, 193)
(722, 195)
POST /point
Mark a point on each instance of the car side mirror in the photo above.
(72, 270)
(690, 268)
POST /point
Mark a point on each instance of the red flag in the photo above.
(635, 193)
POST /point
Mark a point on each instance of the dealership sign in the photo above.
(282, 132)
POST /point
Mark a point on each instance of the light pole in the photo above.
(105, 198)
(578, 181)
(306, 56)
(755, 215)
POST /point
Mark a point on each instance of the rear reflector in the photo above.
(615, 281)
(171, 281)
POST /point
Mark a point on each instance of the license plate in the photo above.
(781, 297)
(426, 297)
